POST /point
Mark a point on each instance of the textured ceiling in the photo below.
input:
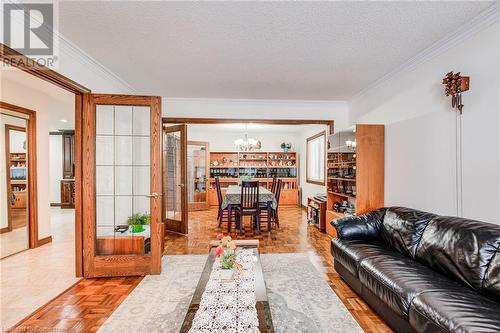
(267, 50)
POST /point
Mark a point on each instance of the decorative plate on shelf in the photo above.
(216, 163)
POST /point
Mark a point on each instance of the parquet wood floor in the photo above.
(85, 307)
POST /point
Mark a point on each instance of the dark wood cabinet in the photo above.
(67, 194)
(68, 155)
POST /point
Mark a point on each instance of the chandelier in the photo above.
(247, 143)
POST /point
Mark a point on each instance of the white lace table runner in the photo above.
(229, 306)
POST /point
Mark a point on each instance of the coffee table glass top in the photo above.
(262, 303)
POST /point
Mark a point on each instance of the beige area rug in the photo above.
(300, 299)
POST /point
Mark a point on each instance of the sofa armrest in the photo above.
(365, 226)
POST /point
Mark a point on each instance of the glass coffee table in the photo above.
(262, 303)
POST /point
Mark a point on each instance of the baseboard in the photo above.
(55, 204)
(44, 241)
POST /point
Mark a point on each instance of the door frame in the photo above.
(22, 62)
(34, 241)
(194, 206)
(183, 226)
(120, 265)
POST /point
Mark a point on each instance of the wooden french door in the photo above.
(121, 185)
(175, 209)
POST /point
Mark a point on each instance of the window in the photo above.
(315, 159)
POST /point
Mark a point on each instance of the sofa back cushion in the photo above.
(402, 228)
(491, 284)
(459, 248)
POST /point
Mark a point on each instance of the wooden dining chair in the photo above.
(249, 204)
(273, 185)
(221, 213)
(277, 194)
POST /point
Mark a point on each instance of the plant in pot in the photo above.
(138, 221)
(226, 253)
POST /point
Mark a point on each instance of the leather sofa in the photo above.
(422, 272)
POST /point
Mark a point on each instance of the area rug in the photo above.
(300, 299)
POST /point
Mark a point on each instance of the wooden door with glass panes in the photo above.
(122, 227)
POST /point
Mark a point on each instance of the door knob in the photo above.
(152, 195)
(181, 185)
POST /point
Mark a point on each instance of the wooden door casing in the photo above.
(119, 265)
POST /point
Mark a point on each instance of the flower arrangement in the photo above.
(226, 251)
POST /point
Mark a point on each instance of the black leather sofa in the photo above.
(422, 272)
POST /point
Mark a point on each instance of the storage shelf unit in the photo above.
(18, 183)
(355, 172)
(262, 166)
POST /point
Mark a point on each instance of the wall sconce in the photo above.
(455, 84)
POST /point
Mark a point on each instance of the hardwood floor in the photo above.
(84, 307)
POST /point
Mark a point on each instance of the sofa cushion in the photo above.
(459, 248)
(454, 310)
(402, 228)
(491, 284)
(366, 226)
(350, 252)
(397, 279)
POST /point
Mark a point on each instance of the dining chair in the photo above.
(273, 185)
(249, 204)
(221, 213)
(277, 195)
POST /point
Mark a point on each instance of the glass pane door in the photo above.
(122, 180)
(174, 178)
(197, 174)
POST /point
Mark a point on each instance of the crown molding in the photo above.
(64, 46)
(84, 59)
(255, 101)
(484, 20)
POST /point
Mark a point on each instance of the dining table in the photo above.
(232, 199)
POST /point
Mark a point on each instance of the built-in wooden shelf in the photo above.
(363, 166)
(231, 165)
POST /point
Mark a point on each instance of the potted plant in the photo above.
(226, 253)
(138, 221)
(286, 146)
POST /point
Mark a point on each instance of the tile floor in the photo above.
(31, 278)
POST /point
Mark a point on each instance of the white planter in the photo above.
(226, 274)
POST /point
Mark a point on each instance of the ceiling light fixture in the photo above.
(247, 143)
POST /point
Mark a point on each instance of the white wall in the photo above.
(421, 128)
(256, 109)
(22, 89)
(223, 140)
(4, 120)
(55, 165)
(308, 190)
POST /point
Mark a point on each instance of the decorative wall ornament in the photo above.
(455, 84)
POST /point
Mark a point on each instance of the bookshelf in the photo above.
(263, 166)
(355, 176)
(17, 182)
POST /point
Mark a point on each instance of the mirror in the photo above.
(14, 199)
(197, 171)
